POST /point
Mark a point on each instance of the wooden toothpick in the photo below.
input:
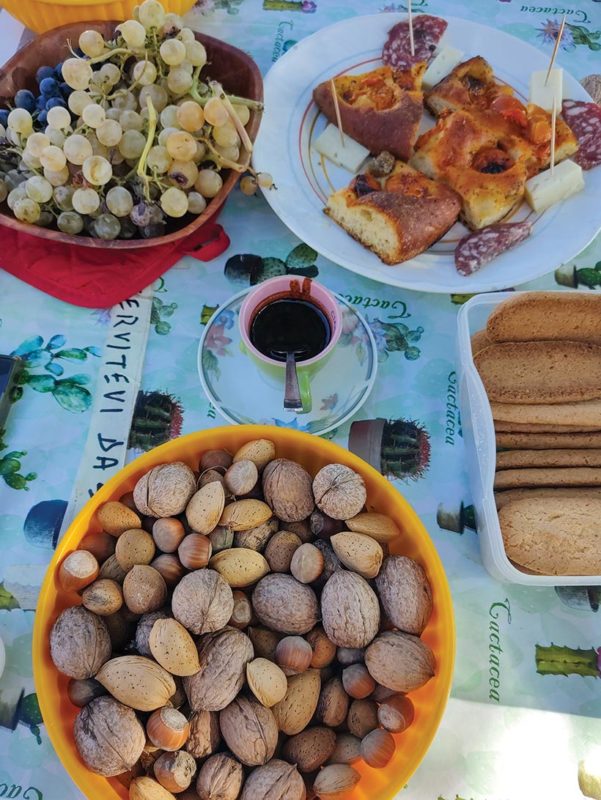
(553, 125)
(411, 39)
(556, 48)
(337, 110)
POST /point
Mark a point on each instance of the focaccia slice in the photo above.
(397, 217)
(471, 85)
(381, 109)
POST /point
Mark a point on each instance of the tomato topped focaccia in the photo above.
(471, 85)
(397, 216)
(381, 109)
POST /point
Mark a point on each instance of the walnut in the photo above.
(165, 490)
(220, 778)
(350, 610)
(202, 601)
(79, 643)
(339, 491)
(108, 736)
(250, 731)
(287, 489)
(283, 604)
(274, 781)
(204, 734)
(400, 661)
(405, 594)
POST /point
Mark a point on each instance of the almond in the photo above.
(259, 451)
(245, 514)
(240, 566)
(335, 779)
(137, 682)
(205, 508)
(294, 712)
(400, 661)
(378, 526)
(358, 552)
(266, 681)
(173, 647)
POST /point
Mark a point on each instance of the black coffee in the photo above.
(288, 324)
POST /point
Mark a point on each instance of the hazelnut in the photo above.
(357, 681)
(167, 533)
(103, 597)
(293, 654)
(347, 749)
(195, 551)
(302, 530)
(350, 655)
(324, 651)
(396, 713)
(241, 477)
(113, 570)
(168, 729)
(339, 491)
(280, 549)
(215, 458)
(82, 692)
(323, 526)
(170, 567)
(242, 614)
(307, 563)
(78, 570)
(144, 589)
(134, 546)
(175, 771)
(362, 717)
(100, 544)
(377, 748)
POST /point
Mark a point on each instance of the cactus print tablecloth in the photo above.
(526, 700)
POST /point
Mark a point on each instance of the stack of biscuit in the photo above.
(540, 362)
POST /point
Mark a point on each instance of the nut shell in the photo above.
(250, 730)
(205, 508)
(134, 546)
(214, 459)
(266, 681)
(204, 734)
(396, 713)
(277, 780)
(168, 729)
(113, 570)
(84, 691)
(357, 681)
(79, 569)
(294, 712)
(108, 736)
(293, 654)
(283, 604)
(259, 451)
(241, 477)
(195, 551)
(137, 682)
(324, 651)
(400, 661)
(264, 641)
(165, 490)
(339, 491)
(116, 517)
(335, 779)
(202, 601)
(242, 515)
(310, 749)
(405, 594)
(347, 750)
(287, 489)
(333, 705)
(378, 526)
(377, 748)
(145, 788)
(359, 553)
(362, 717)
(173, 647)
(240, 566)
(220, 778)
(79, 643)
(281, 549)
(223, 659)
(144, 589)
(100, 544)
(170, 567)
(243, 613)
(167, 533)
(175, 771)
(103, 597)
(307, 563)
(143, 629)
(256, 538)
(350, 610)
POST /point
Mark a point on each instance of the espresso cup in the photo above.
(293, 287)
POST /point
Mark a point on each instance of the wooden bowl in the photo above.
(312, 452)
(231, 67)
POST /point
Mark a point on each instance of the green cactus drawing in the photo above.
(556, 660)
(247, 269)
(31, 716)
(8, 602)
(160, 311)
(70, 393)
(10, 466)
(157, 418)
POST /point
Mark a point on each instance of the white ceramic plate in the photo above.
(292, 121)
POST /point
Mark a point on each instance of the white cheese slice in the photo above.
(350, 156)
(542, 94)
(445, 60)
(546, 189)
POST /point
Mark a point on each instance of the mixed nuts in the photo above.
(243, 633)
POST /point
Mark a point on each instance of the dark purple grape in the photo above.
(150, 231)
(156, 214)
(141, 214)
(128, 229)
(25, 99)
(49, 87)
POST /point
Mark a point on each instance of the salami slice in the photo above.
(477, 249)
(585, 120)
(427, 32)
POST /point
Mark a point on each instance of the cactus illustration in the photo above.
(306, 6)
(206, 313)
(160, 311)
(398, 448)
(586, 598)
(456, 520)
(396, 337)
(70, 393)
(247, 269)
(556, 660)
(30, 715)
(10, 464)
(207, 6)
(569, 275)
(8, 602)
(157, 418)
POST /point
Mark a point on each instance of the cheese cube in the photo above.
(350, 156)
(546, 189)
(445, 60)
(542, 94)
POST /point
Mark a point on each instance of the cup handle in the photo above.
(304, 383)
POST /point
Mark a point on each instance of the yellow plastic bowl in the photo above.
(43, 15)
(313, 453)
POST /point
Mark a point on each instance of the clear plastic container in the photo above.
(479, 435)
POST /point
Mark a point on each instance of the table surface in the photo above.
(513, 728)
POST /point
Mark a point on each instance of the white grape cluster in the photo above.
(144, 138)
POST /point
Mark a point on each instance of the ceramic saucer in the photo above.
(242, 393)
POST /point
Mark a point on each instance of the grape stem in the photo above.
(221, 161)
(218, 91)
(202, 100)
(152, 126)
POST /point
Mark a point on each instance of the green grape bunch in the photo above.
(145, 139)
